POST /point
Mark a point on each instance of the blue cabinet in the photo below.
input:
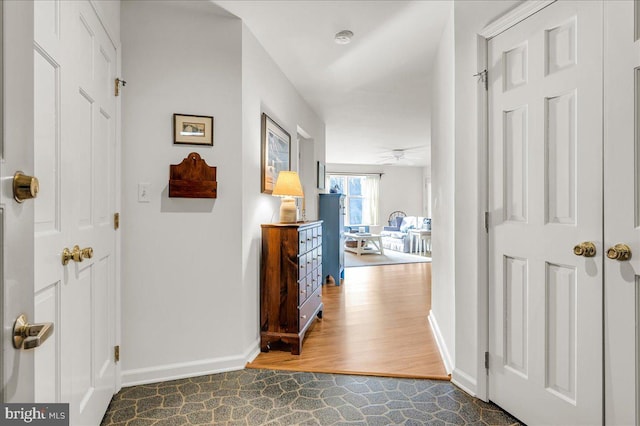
(332, 214)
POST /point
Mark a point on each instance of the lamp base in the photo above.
(288, 211)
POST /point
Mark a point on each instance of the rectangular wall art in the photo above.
(276, 151)
(192, 129)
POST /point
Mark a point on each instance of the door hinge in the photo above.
(116, 353)
(486, 221)
(484, 78)
(118, 82)
(486, 360)
(116, 221)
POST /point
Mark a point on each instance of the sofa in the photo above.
(396, 236)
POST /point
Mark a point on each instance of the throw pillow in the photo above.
(408, 222)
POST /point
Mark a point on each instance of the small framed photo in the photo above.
(192, 129)
(321, 175)
(276, 151)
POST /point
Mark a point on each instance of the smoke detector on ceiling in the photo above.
(343, 37)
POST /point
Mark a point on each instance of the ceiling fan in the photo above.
(401, 156)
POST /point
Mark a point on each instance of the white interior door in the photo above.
(545, 141)
(622, 210)
(75, 65)
(16, 220)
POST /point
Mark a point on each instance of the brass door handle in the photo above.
(76, 254)
(29, 336)
(619, 252)
(586, 249)
(25, 187)
(86, 253)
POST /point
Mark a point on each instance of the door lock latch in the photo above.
(25, 187)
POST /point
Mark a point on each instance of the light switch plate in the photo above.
(144, 192)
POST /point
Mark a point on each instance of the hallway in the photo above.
(375, 323)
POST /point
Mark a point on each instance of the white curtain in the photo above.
(370, 204)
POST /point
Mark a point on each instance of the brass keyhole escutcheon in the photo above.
(619, 252)
(25, 187)
(586, 249)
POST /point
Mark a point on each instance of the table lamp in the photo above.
(288, 187)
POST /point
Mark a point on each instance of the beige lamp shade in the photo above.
(288, 185)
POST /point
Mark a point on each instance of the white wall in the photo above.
(443, 276)
(191, 267)
(307, 169)
(266, 89)
(457, 177)
(182, 298)
(400, 187)
(426, 191)
(470, 18)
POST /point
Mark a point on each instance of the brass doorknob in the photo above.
(73, 254)
(76, 254)
(86, 253)
(586, 249)
(619, 252)
(24, 187)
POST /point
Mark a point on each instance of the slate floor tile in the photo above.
(265, 397)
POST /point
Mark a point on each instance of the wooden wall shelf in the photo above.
(192, 178)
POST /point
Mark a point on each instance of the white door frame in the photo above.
(503, 23)
(113, 38)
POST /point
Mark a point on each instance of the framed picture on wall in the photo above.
(321, 175)
(192, 129)
(276, 152)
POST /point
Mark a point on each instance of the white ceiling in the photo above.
(373, 93)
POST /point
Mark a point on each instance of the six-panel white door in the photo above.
(622, 211)
(75, 110)
(545, 141)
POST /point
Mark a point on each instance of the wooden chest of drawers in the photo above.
(290, 282)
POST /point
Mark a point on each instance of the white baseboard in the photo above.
(253, 351)
(464, 382)
(442, 346)
(163, 373)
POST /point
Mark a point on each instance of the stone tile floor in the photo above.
(267, 397)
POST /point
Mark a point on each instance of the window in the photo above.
(361, 193)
